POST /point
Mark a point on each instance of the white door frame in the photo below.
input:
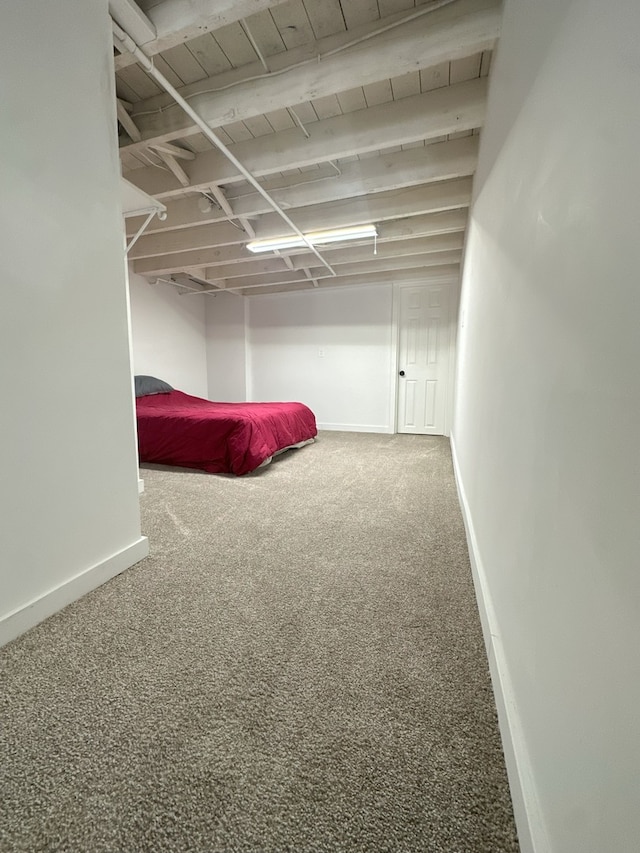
(453, 286)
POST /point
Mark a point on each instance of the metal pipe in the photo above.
(126, 44)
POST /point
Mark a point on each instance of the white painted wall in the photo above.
(226, 347)
(69, 517)
(169, 337)
(548, 410)
(350, 386)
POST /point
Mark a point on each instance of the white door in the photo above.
(423, 358)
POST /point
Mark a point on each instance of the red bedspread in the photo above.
(235, 438)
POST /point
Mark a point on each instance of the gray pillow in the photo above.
(146, 385)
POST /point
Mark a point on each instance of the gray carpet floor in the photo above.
(297, 667)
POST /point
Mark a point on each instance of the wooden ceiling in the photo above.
(346, 111)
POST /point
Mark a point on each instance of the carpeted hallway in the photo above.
(297, 668)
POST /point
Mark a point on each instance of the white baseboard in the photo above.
(532, 833)
(356, 428)
(23, 618)
(140, 485)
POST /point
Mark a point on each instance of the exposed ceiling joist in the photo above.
(174, 150)
(228, 212)
(170, 161)
(438, 162)
(125, 120)
(177, 21)
(445, 273)
(298, 51)
(427, 225)
(240, 265)
(382, 127)
(433, 198)
(131, 18)
(456, 30)
(386, 249)
(374, 265)
(451, 109)
(378, 207)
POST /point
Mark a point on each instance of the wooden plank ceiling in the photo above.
(347, 111)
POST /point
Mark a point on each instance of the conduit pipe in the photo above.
(126, 44)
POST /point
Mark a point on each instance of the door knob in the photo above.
(402, 373)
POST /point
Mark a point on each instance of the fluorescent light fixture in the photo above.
(318, 238)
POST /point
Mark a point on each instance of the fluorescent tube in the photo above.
(318, 238)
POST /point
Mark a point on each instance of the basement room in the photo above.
(313, 537)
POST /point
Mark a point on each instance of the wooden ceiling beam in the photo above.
(230, 252)
(432, 259)
(429, 198)
(278, 62)
(128, 15)
(385, 249)
(438, 162)
(375, 208)
(170, 161)
(222, 200)
(230, 248)
(232, 261)
(450, 109)
(178, 21)
(125, 119)
(444, 273)
(174, 150)
(269, 270)
(255, 267)
(377, 263)
(454, 31)
(282, 277)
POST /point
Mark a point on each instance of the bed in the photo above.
(175, 428)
